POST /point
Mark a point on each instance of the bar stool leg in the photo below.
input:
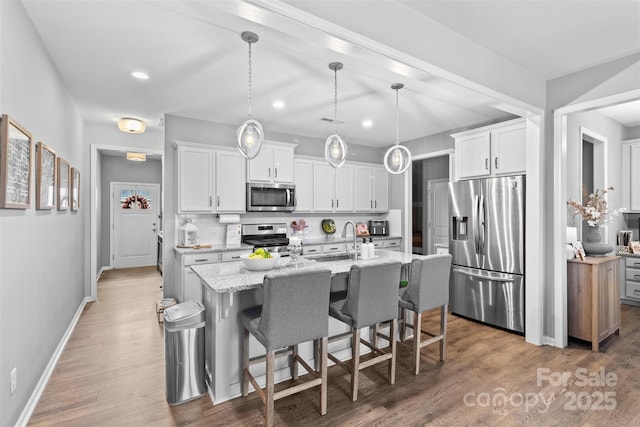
(417, 334)
(294, 362)
(268, 404)
(245, 362)
(392, 362)
(443, 330)
(355, 363)
(403, 325)
(376, 329)
(324, 342)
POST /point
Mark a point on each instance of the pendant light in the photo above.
(335, 149)
(398, 157)
(250, 133)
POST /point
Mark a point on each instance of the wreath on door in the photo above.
(138, 201)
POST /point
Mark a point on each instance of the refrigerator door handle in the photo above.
(476, 209)
(482, 226)
(481, 277)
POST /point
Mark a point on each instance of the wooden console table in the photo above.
(593, 298)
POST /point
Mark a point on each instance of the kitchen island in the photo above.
(229, 288)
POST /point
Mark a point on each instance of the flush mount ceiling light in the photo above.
(136, 157)
(250, 133)
(129, 125)
(335, 149)
(398, 157)
(141, 75)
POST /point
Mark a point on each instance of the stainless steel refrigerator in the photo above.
(487, 245)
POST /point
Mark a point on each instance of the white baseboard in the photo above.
(46, 375)
(102, 270)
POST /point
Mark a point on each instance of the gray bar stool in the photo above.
(371, 299)
(294, 311)
(428, 288)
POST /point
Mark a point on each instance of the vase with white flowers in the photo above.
(594, 211)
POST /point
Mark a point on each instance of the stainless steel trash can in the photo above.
(184, 351)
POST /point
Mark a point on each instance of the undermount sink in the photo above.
(329, 258)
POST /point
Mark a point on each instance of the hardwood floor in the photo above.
(111, 373)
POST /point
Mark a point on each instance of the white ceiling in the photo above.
(198, 64)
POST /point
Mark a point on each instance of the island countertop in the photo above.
(232, 277)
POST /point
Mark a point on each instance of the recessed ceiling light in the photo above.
(278, 104)
(367, 123)
(140, 75)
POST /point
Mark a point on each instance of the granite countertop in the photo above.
(628, 255)
(219, 247)
(233, 276)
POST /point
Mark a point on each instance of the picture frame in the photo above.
(579, 250)
(63, 184)
(46, 177)
(75, 189)
(16, 148)
(634, 246)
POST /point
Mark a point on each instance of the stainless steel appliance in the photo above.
(379, 228)
(273, 237)
(487, 244)
(271, 197)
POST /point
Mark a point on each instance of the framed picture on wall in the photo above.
(16, 146)
(75, 189)
(63, 184)
(635, 247)
(45, 177)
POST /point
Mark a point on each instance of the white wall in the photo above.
(43, 272)
(614, 132)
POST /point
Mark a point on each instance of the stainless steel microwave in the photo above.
(270, 197)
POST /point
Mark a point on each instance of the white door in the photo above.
(438, 215)
(134, 219)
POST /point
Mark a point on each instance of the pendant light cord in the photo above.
(249, 79)
(335, 101)
(397, 120)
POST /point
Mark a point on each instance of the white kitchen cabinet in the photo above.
(371, 189)
(631, 175)
(333, 188)
(189, 286)
(380, 190)
(210, 180)
(495, 150)
(195, 179)
(230, 256)
(230, 182)
(304, 185)
(392, 244)
(311, 249)
(275, 163)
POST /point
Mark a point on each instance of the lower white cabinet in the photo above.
(630, 280)
(392, 244)
(189, 286)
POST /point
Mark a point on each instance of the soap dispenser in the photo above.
(364, 250)
(372, 248)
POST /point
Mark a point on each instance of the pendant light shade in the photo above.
(250, 133)
(335, 149)
(397, 159)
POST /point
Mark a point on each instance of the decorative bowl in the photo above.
(328, 226)
(259, 264)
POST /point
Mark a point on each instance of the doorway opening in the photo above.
(430, 205)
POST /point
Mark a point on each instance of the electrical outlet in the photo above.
(14, 379)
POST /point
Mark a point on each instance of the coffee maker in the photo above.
(379, 228)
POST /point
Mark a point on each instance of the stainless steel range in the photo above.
(273, 237)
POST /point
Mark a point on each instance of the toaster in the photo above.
(379, 228)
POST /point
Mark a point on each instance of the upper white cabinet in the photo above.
(631, 175)
(230, 182)
(304, 185)
(195, 179)
(333, 188)
(275, 163)
(371, 189)
(210, 181)
(494, 150)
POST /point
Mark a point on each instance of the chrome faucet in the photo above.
(355, 244)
